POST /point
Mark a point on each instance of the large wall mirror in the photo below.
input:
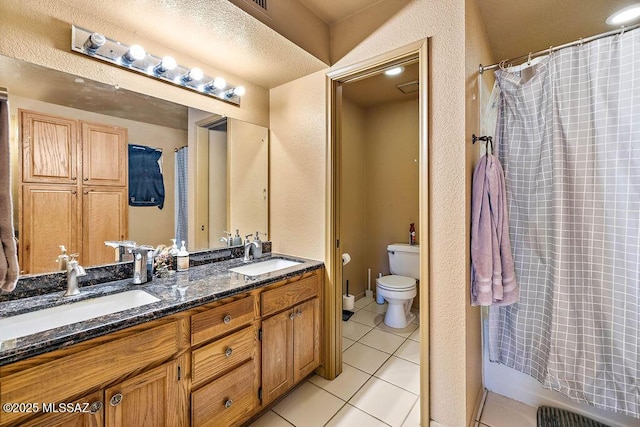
(227, 168)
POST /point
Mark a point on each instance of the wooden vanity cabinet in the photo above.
(291, 338)
(93, 417)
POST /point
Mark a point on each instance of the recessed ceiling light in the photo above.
(394, 71)
(624, 15)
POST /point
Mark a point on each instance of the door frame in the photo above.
(332, 321)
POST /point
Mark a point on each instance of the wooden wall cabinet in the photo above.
(65, 158)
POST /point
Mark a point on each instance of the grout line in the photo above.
(337, 412)
(280, 416)
(417, 402)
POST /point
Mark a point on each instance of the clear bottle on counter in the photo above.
(183, 258)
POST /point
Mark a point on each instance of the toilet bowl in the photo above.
(399, 288)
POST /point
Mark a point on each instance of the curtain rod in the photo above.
(552, 49)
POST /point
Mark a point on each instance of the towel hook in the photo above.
(488, 139)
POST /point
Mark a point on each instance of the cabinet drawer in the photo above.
(218, 320)
(289, 295)
(223, 354)
(225, 400)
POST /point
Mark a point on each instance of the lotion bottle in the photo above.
(183, 258)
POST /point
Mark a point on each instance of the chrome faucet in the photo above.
(248, 246)
(74, 270)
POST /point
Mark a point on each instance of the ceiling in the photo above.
(381, 89)
(517, 27)
(333, 11)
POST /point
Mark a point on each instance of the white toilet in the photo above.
(399, 288)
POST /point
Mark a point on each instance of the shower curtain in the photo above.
(568, 136)
(181, 196)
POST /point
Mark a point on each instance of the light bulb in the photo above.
(239, 91)
(195, 74)
(94, 41)
(219, 83)
(135, 53)
(166, 64)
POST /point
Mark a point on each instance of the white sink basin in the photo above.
(264, 267)
(54, 317)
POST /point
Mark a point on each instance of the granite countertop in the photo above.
(183, 291)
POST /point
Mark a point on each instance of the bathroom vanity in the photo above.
(216, 349)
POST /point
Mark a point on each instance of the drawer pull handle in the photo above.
(227, 319)
(228, 403)
(228, 352)
(95, 407)
(292, 315)
(299, 313)
(116, 399)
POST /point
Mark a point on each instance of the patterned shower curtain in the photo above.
(181, 196)
(568, 136)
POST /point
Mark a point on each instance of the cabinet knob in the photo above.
(228, 352)
(299, 313)
(292, 315)
(86, 179)
(95, 407)
(74, 192)
(228, 403)
(116, 399)
(74, 178)
(227, 319)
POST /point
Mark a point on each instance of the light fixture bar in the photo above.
(134, 58)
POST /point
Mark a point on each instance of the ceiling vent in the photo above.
(409, 87)
(261, 3)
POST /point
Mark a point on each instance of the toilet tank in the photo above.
(404, 259)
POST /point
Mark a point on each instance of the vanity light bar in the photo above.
(135, 58)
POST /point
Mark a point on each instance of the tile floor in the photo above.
(379, 384)
(500, 411)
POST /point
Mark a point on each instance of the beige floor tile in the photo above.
(354, 330)
(308, 405)
(415, 336)
(384, 401)
(362, 302)
(368, 318)
(383, 341)
(350, 416)
(344, 385)
(413, 419)
(346, 343)
(376, 308)
(270, 419)
(500, 411)
(403, 332)
(365, 358)
(410, 351)
(401, 373)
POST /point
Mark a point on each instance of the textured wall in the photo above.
(477, 51)
(443, 22)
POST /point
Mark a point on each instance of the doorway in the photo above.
(340, 182)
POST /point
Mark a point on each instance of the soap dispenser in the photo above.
(237, 240)
(183, 258)
(62, 259)
(257, 248)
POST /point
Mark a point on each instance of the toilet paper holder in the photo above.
(346, 258)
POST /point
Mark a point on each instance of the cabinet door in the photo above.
(277, 352)
(104, 155)
(306, 339)
(49, 147)
(85, 412)
(104, 217)
(49, 219)
(156, 398)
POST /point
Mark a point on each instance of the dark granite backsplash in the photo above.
(40, 284)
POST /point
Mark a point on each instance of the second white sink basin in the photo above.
(67, 314)
(264, 267)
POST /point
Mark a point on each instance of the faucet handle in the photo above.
(73, 257)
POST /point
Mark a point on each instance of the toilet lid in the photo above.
(396, 283)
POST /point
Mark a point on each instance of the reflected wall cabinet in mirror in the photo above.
(74, 190)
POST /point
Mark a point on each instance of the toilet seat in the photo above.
(396, 283)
